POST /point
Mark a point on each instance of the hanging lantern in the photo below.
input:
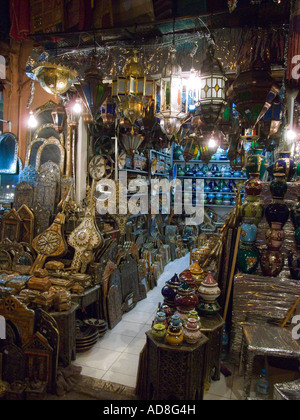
(192, 91)
(59, 117)
(54, 78)
(108, 111)
(171, 87)
(92, 90)
(250, 92)
(213, 90)
(131, 143)
(133, 91)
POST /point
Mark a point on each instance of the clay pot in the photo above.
(286, 165)
(277, 212)
(256, 163)
(275, 236)
(159, 332)
(295, 214)
(209, 290)
(193, 315)
(279, 186)
(248, 258)
(253, 209)
(253, 186)
(209, 308)
(186, 300)
(197, 273)
(170, 290)
(294, 264)
(174, 336)
(249, 231)
(191, 331)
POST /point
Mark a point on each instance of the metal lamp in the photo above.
(171, 87)
(213, 90)
(59, 117)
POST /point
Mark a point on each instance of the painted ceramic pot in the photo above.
(294, 264)
(174, 336)
(253, 186)
(277, 212)
(161, 318)
(178, 152)
(191, 332)
(227, 173)
(170, 290)
(198, 272)
(295, 214)
(176, 321)
(253, 209)
(226, 189)
(189, 171)
(209, 308)
(193, 315)
(248, 258)
(209, 290)
(168, 311)
(279, 186)
(256, 164)
(271, 262)
(186, 300)
(275, 236)
(286, 165)
(187, 277)
(159, 332)
(237, 174)
(248, 231)
(181, 172)
(232, 186)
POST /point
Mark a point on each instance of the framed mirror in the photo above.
(8, 154)
(51, 150)
(32, 152)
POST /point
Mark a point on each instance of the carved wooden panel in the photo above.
(45, 191)
(13, 363)
(38, 355)
(23, 195)
(27, 224)
(12, 309)
(114, 306)
(11, 224)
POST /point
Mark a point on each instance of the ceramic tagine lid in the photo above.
(187, 277)
(209, 289)
(195, 269)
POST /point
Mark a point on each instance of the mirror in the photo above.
(32, 152)
(51, 150)
(8, 154)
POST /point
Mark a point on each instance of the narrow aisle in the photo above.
(115, 357)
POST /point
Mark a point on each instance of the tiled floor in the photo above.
(115, 357)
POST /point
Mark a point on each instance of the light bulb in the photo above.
(291, 135)
(77, 108)
(212, 143)
(32, 122)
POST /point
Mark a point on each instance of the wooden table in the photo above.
(66, 322)
(89, 297)
(213, 328)
(174, 373)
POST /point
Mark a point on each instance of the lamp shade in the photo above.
(92, 90)
(171, 86)
(55, 79)
(59, 117)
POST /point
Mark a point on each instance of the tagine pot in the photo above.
(295, 214)
(253, 209)
(254, 185)
(159, 332)
(191, 331)
(194, 315)
(186, 300)
(256, 163)
(286, 165)
(247, 258)
(277, 212)
(294, 264)
(187, 277)
(170, 290)
(271, 262)
(161, 318)
(197, 271)
(209, 290)
(278, 186)
(174, 336)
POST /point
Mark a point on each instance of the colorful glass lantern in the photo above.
(54, 78)
(171, 87)
(59, 117)
(92, 90)
(213, 90)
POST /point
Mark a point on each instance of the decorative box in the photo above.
(54, 266)
(42, 285)
(61, 283)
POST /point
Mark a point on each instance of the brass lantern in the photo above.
(171, 86)
(54, 78)
(59, 117)
(133, 91)
(213, 90)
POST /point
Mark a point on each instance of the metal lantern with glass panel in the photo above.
(213, 90)
(133, 91)
(59, 117)
(171, 85)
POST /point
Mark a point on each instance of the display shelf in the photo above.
(215, 178)
(160, 174)
(192, 162)
(135, 171)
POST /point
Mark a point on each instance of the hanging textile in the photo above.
(293, 70)
(79, 14)
(20, 19)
